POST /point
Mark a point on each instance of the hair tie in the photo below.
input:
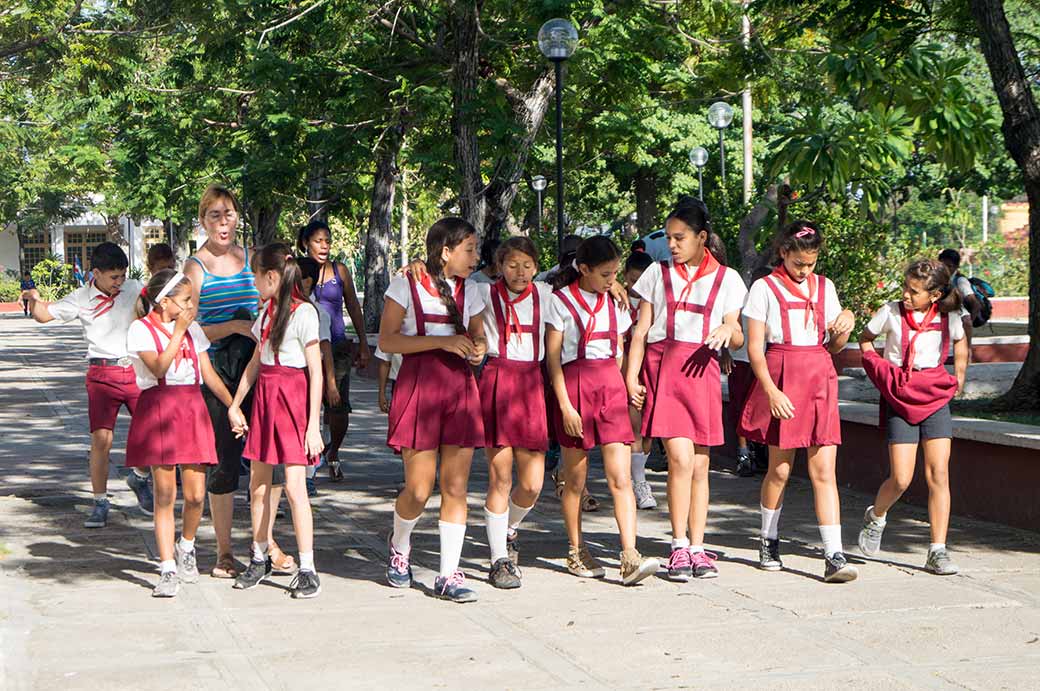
(144, 291)
(805, 232)
(574, 265)
(170, 285)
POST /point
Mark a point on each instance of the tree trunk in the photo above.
(1021, 128)
(380, 227)
(264, 223)
(465, 84)
(646, 200)
(317, 204)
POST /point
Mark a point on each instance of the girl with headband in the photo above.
(170, 426)
(794, 324)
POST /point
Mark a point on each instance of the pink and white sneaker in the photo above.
(680, 565)
(704, 564)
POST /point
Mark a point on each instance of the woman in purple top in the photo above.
(334, 287)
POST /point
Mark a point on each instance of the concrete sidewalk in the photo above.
(75, 610)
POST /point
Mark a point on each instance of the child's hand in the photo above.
(720, 337)
(780, 405)
(572, 422)
(384, 405)
(620, 295)
(313, 442)
(843, 324)
(415, 268)
(332, 395)
(479, 351)
(184, 320)
(239, 425)
(636, 394)
(364, 355)
(726, 362)
(32, 295)
(458, 345)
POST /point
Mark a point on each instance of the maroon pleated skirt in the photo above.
(913, 396)
(512, 399)
(278, 424)
(683, 393)
(739, 382)
(597, 391)
(435, 403)
(170, 426)
(806, 375)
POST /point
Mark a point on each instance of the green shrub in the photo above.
(53, 278)
(10, 290)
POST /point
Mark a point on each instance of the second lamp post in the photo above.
(557, 40)
(720, 115)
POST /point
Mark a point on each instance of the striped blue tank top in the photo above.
(222, 296)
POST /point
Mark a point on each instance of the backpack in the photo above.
(983, 292)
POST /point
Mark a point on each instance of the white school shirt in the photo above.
(561, 319)
(689, 325)
(401, 293)
(394, 359)
(887, 321)
(301, 330)
(324, 321)
(762, 306)
(106, 334)
(139, 340)
(521, 348)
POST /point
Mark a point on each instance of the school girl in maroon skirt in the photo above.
(512, 401)
(690, 311)
(916, 391)
(583, 346)
(170, 427)
(284, 428)
(434, 321)
(794, 323)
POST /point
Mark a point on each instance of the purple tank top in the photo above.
(330, 296)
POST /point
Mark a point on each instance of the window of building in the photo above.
(35, 248)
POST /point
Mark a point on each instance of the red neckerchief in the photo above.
(580, 299)
(427, 283)
(917, 329)
(105, 302)
(796, 290)
(267, 321)
(512, 318)
(708, 265)
(184, 352)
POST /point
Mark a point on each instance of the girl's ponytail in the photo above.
(278, 257)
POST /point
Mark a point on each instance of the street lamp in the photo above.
(557, 40)
(720, 115)
(538, 183)
(699, 158)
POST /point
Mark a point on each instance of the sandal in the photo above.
(558, 482)
(588, 502)
(226, 567)
(281, 562)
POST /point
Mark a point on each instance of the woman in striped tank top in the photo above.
(227, 305)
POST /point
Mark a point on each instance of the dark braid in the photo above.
(446, 233)
(449, 301)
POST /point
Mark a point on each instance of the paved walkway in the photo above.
(75, 611)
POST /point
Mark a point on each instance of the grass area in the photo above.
(983, 408)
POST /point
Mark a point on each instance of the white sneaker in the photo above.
(644, 496)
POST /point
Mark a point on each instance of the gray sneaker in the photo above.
(644, 496)
(187, 565)
(769, 554)
(940, 564)
(837, 569)
(167, 585)
(99, 516)
(870, 535)
(143, 491)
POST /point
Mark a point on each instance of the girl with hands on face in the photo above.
(690, 311)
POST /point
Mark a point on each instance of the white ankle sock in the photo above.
(831, 536)
(402, 537)
(187, 545)
(452, 537)
(516, 515)
(312, 470)
(638, 467)
(168, 565)
(143, 474)
(770, 522)
(936, 546)
(696, 548)
(100, 496)
(680, 543)
(259, 551)
(307, 561)
(497, 525)
(881, 520)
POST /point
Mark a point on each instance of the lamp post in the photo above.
(699, 158)
(720, 115)
(557, 40)
(538, 183)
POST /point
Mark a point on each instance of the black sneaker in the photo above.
(769, 555)
(512, 546)
(504, 575)
(837, 569)
(255, 574)
(305, 586)
(759, 457)
(335, 471)
(657, 461)
(745, 466)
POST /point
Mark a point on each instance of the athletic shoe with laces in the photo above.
(335, 471)
(745, 466)
(704, 564)
(644, 495)
(680, 565)
(187, 565)
(453, 588)
(635, 567)
(305, 586)
(513, 546)
(504, 574)
(837, 569)
(99, 516)
(167, 586)
(312, 487)
(769, 554)
(398, 567)
(255, 574)
(582, 564)
(940, 564)
(870, 535)
(143, 491)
